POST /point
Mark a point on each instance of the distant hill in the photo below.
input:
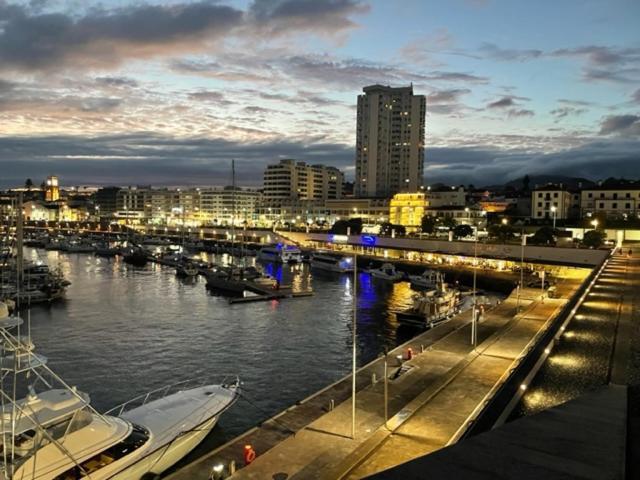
(570, 182)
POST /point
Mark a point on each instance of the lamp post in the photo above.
(554, 209)
(523, 243)
(474, 311)
(595, 224)
(353, 341)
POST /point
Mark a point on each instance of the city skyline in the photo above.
(169, 92)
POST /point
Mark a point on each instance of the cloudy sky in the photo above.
(168, 92)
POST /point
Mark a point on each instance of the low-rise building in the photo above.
(612, 198)
(554, 201)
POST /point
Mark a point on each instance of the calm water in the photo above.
(123, 331)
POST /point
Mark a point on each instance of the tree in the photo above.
(463, 230)
(28, 184)
(449, 222)
(387, 228)
(344, 227)
(593, 238)
(428, 224)
(543, 236)
(500, 231)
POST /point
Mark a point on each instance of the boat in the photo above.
(387, 271)
(104, 250)
(187, 269)
(136, 257)
(226, 280)
(432, 307)
(53, 432)
(429, 279)
(80, 246)
(331, 262)
(280, 253)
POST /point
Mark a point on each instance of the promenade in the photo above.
(430, 399)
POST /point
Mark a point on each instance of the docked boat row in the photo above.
(50, 431)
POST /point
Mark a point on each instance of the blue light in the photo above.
(369, 240)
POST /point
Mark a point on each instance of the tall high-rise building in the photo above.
(389, 141)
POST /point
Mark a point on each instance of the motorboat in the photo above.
(432, 307)
(331, 262)
(429, 279)
(187, 269)
(136, 257)
(80, 246)
(53, 432)
(387, 271)
(227, 280)
(280, 253)
(104, 250)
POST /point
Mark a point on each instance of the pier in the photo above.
(432, 396)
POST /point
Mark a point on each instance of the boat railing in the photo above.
(159, 393)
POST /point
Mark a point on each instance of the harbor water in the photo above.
(122, 331)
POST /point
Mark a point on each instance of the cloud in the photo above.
(502, 103)
(447, 96)
(562, 112)
(156, 159)
(210, 96)
(117, 81)
(599, 55)
(320, 16)
(104, 38)
(490, 166)
(489, 50)
(624, 125)
(635, 96)
(575, 103)
(517, 113)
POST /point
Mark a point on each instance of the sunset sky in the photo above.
(168, 92)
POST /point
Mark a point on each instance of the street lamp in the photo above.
(595, 224)
(466, 209)
(474, 311)
(505, 221)
(554, 209)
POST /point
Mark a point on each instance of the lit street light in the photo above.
(554, 209)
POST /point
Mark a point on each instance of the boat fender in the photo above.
(249, 454)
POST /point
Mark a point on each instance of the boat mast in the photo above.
(233, 208)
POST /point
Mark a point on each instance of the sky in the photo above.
(167, 92)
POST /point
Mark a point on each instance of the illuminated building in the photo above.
(52, 190)
(407, 209)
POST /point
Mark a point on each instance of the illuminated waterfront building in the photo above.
(407, 209)
(52, 189)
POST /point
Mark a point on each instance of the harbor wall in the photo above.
(532, 254)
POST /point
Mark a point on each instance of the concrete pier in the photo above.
(433, 398)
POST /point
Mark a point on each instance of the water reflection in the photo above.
(125, 330)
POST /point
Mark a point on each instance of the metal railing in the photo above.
(227, 381)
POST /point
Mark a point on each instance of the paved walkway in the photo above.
(581, 439)
(443, 386)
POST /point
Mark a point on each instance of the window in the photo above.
(540, 195)
(555, 195)
(601, 205)
(539, 214)
(627, 195)
(590, 195)
(627, 206)
(602, 195)
(539, 204)
(614, 205)
(615, 196)
(136, 439)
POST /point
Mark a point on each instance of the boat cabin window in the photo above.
(136, 439)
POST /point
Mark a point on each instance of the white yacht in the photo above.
(429, 279)
(387, 272)
(331, 262)
(280, 253)
(53, 433)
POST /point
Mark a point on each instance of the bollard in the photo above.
(399, 359)
(421, 348)
(331, 404)
(374, 380)
(409, 353)
(232, 467)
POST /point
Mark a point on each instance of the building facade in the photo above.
(292, 180)
(390, 135)
(222, 206)
(554, 201)
(621, 200)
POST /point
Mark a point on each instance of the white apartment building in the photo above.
(222, 206)
(292, 180)
(554, 200)
(445, 197)
(390, 136)
(612, 199)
